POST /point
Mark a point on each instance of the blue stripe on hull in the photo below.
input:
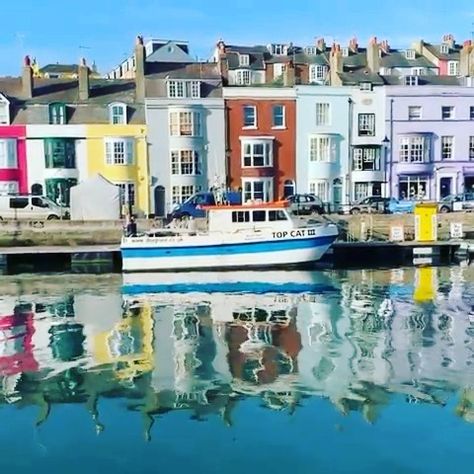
(228, 249)
(237, 287)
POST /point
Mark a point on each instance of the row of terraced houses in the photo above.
(342, 122)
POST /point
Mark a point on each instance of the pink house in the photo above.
(13, 176)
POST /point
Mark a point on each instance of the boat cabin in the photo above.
(262, 216)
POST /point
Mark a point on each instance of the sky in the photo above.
(104, 31)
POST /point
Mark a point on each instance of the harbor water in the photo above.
(322, 372)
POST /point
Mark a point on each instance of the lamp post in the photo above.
(385, 145)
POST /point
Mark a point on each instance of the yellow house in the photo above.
(119, 153)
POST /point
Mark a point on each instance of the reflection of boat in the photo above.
(243, 237)
(228, 282)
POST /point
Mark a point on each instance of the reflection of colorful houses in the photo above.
(128, 346)
(16, 347)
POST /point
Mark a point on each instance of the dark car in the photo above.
(301, 204)
(372, 204)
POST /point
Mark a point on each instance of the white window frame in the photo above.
(453, 68)
(366, 86)
(185, 162)
(4, 111)
(444, 49)
(448, 112)
(366, 125)
(278, 69)
(447, 147)
(317, 73)
(119, 151)
(363, 155)
(250, 194)
(243, 77)
(244, 60)
(415, 112)
(418, 181)
(323, 114)
(418, 71)
(250, 153)
(411, 81)
(281, 115)
(322, 149)
(184, 123)
(180, 89)
(128, 190)
(320, 188)
(311, 50)
(254, 109)
(471, 148)
(8, 187)
(414, 149)
(8, 154)
(361, 190)
(121, 116)
(181, 192)
(410, 54)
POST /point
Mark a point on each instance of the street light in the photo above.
(385, 144)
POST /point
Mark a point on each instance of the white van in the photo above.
(30, 207)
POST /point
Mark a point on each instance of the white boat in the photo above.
(237, 237)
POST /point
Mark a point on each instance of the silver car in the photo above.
(457, 202)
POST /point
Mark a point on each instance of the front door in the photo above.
(445, 187)
(160, 201)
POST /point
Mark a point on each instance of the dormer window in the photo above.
(411, 80)
(278, 49)
(311, 50)
(244, 60)
(182, 89)
(4, 111)
(345, 52)
(444, 49)
(118, 114)
(410, 54)
(57, 113)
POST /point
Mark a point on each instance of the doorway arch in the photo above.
(288, 188)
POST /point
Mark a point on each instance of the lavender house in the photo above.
(431, 133)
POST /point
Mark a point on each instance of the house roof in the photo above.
(428, 80)
(397, 58)
(60, 68)
(354, 78)
(435, 49)
(169, 52)
(46, 91)
(256, 60)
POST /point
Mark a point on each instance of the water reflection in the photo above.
(357, 339)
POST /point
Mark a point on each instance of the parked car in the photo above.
(301, 204)
(30, 207)
(457, 202)
(370, 204)
(396, 206)
(191, 207)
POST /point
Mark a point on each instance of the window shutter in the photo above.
(109, 152)
(11, 154)
(129, 145)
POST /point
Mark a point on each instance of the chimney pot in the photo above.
(139, 40)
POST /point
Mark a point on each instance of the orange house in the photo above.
(261, 141)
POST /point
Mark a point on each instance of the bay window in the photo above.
(185, 162)
(322, 149)
(413, 187)
(257, 153)
(320, 188)
(179, 194)
(60, 153)
(257, 189)
(185, 124)
(8, 155)
(366, 159)
(415, 149)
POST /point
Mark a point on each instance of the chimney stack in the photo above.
(83, 80)
(418, 46)
(321, 45)
(466, 59)
(373, 56)
(27, 79)
(289, 74)
(336, 64)
(140, 69)
(354, 45)
(385, 46)
(449, 40)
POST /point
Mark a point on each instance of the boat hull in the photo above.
(256, 253)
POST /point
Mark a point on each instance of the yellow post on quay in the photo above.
(426, 222)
